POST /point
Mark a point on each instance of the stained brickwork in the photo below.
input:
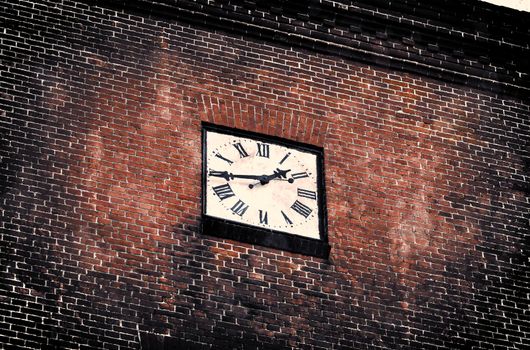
(426, 147)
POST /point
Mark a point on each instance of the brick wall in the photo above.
(426, 176)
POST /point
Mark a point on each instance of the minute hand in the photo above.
(252, 177)
(229, 176)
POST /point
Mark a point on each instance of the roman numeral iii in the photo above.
(307, 193)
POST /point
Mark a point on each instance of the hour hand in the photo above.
(278, 174)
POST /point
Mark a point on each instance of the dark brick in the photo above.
(426, 157)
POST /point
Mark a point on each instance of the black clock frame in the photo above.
(225, 228)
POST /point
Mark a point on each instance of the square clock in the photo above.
(263, 190)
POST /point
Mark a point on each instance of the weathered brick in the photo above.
(100, 184)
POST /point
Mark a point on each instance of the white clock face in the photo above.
(262, 184)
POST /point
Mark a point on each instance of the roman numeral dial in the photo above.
(262, 182)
